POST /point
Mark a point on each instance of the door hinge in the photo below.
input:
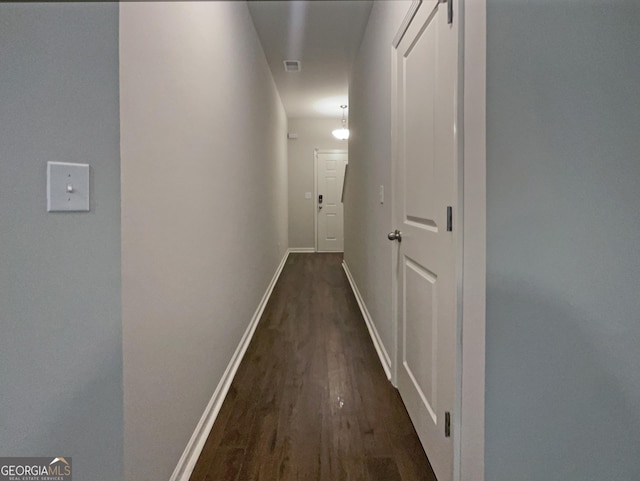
(447, 424)
(449, 10)
(449, 218)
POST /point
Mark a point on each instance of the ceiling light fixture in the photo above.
(342, 133)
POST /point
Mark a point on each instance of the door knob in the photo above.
(395, 235)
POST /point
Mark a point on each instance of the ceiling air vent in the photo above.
(291, 65)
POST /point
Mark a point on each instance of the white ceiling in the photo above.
(325, 36)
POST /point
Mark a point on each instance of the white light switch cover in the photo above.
(67, 187)
(307, 195)
(382, 194)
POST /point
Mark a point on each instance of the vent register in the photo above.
(292, 65)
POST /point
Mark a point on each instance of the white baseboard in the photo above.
(385, 360)
(302, 249)
(190, 456)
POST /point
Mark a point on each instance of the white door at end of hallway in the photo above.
(330, 167)
(425, 200)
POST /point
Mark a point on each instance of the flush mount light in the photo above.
(342, 133)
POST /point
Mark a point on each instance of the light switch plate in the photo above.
(307, 195)
(67, 187)
(382, 194)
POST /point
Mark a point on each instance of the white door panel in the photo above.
(425, 182)
(420, 332)
(329, 182)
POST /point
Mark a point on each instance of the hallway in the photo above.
(123, 325)
(310, 400)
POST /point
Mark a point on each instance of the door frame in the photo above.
(474, 189)
(468, 417)
(315, 189)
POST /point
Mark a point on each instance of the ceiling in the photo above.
(324, 35)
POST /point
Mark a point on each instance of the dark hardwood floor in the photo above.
(310, 400)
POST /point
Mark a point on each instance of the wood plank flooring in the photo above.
(310, 400)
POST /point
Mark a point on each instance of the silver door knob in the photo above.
(395, 235)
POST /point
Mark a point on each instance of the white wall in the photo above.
(60, 310)
(563, 241)
(204, 211)
(368, 253)
(312, 134)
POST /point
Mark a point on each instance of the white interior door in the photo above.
(425, 183)
(330, 212)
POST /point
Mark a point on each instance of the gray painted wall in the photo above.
(563, 241)
(312, 134)
(60, 309)
(204, 212)
(367, 251)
